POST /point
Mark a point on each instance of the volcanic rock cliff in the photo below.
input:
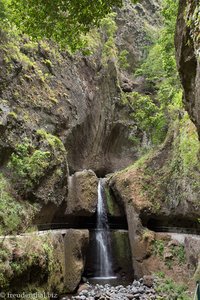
(188, 56)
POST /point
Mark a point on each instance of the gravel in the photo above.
(136, 290)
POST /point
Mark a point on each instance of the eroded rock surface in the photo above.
(188, 54)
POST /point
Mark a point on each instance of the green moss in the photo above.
(30, 47)
(14, 215)
(121, 249)
(113, 208)
(53, 140)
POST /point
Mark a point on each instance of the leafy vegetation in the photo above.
(149, 117)
(28, 164)
(175, 253)
(63, 21)
(160, 72)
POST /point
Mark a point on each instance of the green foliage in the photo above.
(148, 116)
(63, 21)
(28, 164)
(179, 253)
(122, 59)
(185, 157)
(159, 68)
(109, 27)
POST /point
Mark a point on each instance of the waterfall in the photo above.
(103, 242)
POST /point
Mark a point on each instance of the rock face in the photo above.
(134, 23)
(82, 195)
(122, 254)
(76, 243)
(188, 53)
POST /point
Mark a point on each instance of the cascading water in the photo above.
(104, 259)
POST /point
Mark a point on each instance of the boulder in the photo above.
(148, 280)
(76, 243)
(33, 261)
(83, 194)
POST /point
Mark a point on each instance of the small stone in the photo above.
(84, 292)
(168, 255)
(141, 290)
(83, 287)
(130, 296)
(134, 290)
(97, 296)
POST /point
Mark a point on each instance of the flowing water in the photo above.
(103, 242)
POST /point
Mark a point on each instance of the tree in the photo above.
(62, 20)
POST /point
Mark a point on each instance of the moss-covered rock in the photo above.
(76, 243)
(113, 208)
(122, 253)
(82, 196)
(32, 261)
(50, 262)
